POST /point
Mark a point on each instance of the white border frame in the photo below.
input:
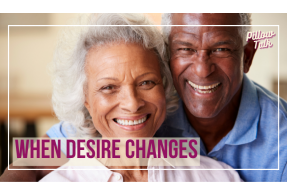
(142, 25)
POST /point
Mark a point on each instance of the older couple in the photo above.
(116, 74)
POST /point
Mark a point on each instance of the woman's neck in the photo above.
(138, 174)
(132, 169)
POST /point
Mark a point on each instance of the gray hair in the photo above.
(68, 67)
(245, 19)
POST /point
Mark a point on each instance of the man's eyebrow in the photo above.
(182, 43)
(224, 42)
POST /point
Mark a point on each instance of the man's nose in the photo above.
(131, 101)
(202, 64)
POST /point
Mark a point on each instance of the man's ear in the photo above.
(249, 52)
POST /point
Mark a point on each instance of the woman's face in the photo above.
(124, 94)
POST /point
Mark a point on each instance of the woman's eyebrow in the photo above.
(110, 78)
(142, 75)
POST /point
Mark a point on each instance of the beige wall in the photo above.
(31, 51)
(265, 69)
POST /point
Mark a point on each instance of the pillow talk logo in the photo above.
(109, 152)
(261, 39)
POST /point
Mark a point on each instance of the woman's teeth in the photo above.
(131, 122)
(204, 89)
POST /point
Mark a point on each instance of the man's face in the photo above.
(206, 61)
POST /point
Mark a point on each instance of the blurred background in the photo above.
(30, 53)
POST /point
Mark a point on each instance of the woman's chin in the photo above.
(142, 130)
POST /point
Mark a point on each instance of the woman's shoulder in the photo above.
(80, 170)
(209, 170)
(220, 171)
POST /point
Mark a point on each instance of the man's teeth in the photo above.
(204, 89)
(131, 122)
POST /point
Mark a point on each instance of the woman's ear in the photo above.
(249, 52)
(87, 104)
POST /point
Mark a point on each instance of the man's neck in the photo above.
(212, 130)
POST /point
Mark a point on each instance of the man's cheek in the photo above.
(178, 86)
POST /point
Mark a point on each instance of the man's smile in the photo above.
(204, 89)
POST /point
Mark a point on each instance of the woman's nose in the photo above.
(131, 100)
(202, 64)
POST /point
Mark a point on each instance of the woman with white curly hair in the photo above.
(114, 81)
(82, 51)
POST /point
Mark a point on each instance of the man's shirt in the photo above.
(253, 141)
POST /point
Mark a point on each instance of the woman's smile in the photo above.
(132, 123)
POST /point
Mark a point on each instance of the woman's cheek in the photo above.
(102, 106)
(160, 101)
(105, 100)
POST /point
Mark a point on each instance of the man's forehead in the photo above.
(205, 19)
(199, 32)
(188, 34)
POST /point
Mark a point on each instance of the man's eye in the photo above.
(187, 49)
(221, 52)
(221, 49)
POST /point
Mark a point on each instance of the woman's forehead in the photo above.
(120, 58)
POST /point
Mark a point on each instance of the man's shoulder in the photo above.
(273, 116)
(270, 102)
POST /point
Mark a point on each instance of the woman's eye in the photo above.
(147, 84)
(108, 89)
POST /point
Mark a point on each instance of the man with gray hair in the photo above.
(235, 118)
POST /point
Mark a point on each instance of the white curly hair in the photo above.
(245, 19)
(68, 66)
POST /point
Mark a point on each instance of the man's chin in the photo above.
(203, 113)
